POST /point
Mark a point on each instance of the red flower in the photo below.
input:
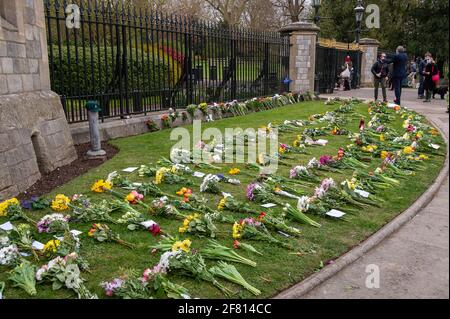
(155, 229)
(261, 216)
(362, 125)
(236, 244)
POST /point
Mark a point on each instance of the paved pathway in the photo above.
(414, 261)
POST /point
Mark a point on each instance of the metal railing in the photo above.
(138, 61)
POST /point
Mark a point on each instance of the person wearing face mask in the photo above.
(380, 72)
(431, 77)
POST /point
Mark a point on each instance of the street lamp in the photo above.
(316, 5)
(359, 14)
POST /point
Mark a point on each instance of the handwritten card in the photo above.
(148, 223)
(362, 193)
(199, 174)
(37, 245)
(7, 226)
(336, 213)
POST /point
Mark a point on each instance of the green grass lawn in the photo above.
(278, 269)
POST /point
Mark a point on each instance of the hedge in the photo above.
(93, 76)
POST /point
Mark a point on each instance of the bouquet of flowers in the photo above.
(22, 276)
(13, 209)
(277, 224)
(36, 203)
(196, 223)
(6, 204)
(169, 243)
(259, 194)
(216, 251)
(22, 238)
(135, 220)
(103, 233)
(85, 211)
(9, 254)
(247, 247)
(251, 229)
(54, 223)
(230, 273)
(233, 205)
(301, 173)
(65, 272)
(162, 207)
(330, 193)
(170, 177)
(298, 215)
(193, 265)
(210, 184)
(128, 286)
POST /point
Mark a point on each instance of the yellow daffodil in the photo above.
(237, 230)
(234, 171)
(100, 186)
(160, 175)
(222, 204)
(5, 204)
(384, 155)
(51, 246)
(60, 203)
(382, 138)
(182, 245)
(423, 157)
(408, 150)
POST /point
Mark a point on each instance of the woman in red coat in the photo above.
(430, 73)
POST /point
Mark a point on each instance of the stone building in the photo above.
(34, 134)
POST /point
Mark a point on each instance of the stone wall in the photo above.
(34, 134)
(302, 59)
(369, 47)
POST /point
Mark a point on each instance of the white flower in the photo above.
(8, 255)
(303, 203)
(313, 163)
(4, 241)
(41, 271)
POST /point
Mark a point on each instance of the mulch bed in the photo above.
(64, 174)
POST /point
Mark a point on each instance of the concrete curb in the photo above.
(305, 286)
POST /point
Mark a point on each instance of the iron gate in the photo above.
(329, 66)
(138, 61)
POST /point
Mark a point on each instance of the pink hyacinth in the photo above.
(293, 173)
(250, 190)
(325, 160)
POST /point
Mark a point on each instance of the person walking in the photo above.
(422, 63)
(399, 61)
(380, 72)
(431, 79)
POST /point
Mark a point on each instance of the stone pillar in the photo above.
(369, 48)
(302, 60)
(34, 134)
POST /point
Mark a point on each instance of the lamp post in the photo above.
(359, 14)
(316, 5)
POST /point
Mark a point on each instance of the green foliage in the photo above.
(95, 70)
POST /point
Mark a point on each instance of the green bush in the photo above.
(93, 76)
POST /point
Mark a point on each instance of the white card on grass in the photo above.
(226, 195)
(436, 147)
(76, 233)
(59, 238)
(25, 254)
(130, 169)
(336, 213)
(148, 223)
(137, 184)
(362, 193)
(199, 174)
(269, 205)
(322, 142)
(7, 226)
(37, 245)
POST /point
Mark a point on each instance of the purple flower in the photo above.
(250, 189)
(325, 160)
(380, 128)
(293, 173)
(221, 176)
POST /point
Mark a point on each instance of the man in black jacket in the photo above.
(380, 72)
(400, 61)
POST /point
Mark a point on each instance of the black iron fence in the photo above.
(138, 61)
(330, 63)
